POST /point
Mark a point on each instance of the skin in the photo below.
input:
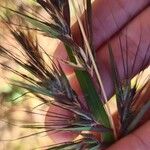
(114, 19)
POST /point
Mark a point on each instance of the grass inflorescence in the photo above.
(47, 80)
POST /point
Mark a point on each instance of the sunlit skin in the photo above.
(114, 19)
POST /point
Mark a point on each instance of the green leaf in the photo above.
(92, 98)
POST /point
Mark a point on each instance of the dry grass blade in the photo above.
(88, 19)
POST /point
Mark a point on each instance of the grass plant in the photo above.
(49, 82)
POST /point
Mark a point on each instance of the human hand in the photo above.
(126, 25)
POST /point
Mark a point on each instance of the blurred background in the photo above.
(15, 104)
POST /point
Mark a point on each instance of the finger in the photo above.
(138, 140)
(133, 43)
(109, 17)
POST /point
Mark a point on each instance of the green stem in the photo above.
(92, 98)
